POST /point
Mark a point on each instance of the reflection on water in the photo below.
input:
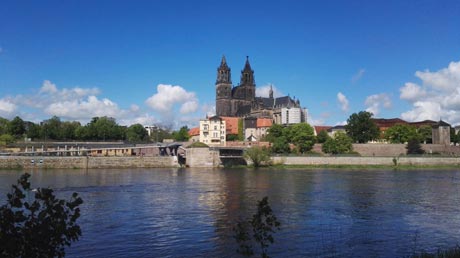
(324, 213)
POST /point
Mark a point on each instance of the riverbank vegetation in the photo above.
(42, 227)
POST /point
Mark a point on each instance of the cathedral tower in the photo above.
(247, 81)
(223, 89)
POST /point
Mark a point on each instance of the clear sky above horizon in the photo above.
(154, 62)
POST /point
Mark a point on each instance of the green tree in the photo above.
(339, 144)
(258, 155)
(51, 129)
(302, 136)
(414, 147)
(16, 127)
(181, 135)
(41, 228)
(275, 131)
(322, 136)
(32, 130)
(257, 231)
(105, 128)
(69, 129)
(3, 125)
(6, 139)
(401, 133)
(280, 145)
(426, 133)
(136, 133)
(361, 128)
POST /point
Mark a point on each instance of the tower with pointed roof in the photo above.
(241, 100)
(223, 89)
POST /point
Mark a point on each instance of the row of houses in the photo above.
(214, 130)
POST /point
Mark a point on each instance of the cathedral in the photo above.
(241, 100)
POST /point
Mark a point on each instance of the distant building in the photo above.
(241, 101)
(255, 129)
(333, 130)
(151, 129)
(194, 134)
(213, 131)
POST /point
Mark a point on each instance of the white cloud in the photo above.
(83, 109)
(412, 91)
(48, 87)
(358, 75)
(343, 101)
(375, 102)
(264, 91)
(7, 108)
(189, 107)
(438, 98)
(168, 96)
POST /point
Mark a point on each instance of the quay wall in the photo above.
(24, 162)
(386, 161)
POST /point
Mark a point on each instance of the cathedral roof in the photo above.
(247, 66)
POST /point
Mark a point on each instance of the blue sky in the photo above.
(154, 62)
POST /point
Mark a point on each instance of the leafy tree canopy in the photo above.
(181, 135)
(401, 133)
(322, 136)
(341, 143)
(258, 155)
(361, 128)
(136, 133)
(41, 228)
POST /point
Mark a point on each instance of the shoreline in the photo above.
(290, 162)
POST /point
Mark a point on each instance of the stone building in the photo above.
(441, 133)
(241, 100)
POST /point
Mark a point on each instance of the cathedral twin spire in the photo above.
(224, 73)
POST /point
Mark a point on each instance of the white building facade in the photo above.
(213, 131)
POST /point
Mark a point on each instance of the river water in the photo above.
(323, 213)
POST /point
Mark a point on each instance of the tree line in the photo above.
(98, 129)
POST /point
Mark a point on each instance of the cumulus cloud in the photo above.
(168, 96)
(437, 97)
(84, 108)
(264, 91)
(7, 108)
(356, 77)
(375, 102)
(48, 87)
(343, 101)
(412, 91)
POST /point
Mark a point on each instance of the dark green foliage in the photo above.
(232, 137)
(240, 130)
(322, 136)
(274, 132)
(257, 231)
(32, 130)
(341, 143)
(6, 139)
(136, 133)
(401, 133)
(258, 155)
(181, 135)
(198, 145)
(39, 229)
(361, 128)
(280, 145)
(303, 137)
(426, 134)
(414, 147)
(16, 127)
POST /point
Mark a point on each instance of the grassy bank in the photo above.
(368, 167)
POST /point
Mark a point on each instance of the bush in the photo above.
(38, 229)
(258, 155)
(262, 224)
(198, 145)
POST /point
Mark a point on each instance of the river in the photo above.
(323, 213)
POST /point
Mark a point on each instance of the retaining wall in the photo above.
(387, 161)
(87, 162)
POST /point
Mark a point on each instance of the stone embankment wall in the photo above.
(392, 150)
(385, 161)
(202, 157)
(23, 162)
